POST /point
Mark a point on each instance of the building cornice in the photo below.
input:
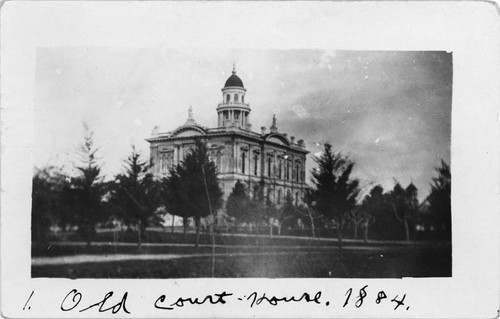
(241, 134)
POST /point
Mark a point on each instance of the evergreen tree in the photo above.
(373, 207)
(192, 189)
(257, 207)
(404, 204)
(440, 200)
(47, 188)
(137, 194)
(336, 192)
(237, 204)
(89, 189)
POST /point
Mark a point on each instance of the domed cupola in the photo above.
(233, 111)
(234, 81)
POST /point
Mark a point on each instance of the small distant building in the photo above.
(269, 159)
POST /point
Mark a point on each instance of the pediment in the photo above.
(278, 139)
(187, 131)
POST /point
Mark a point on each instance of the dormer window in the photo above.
(228, 98)
(236, 98)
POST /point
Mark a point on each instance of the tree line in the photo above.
(191, 191)
(133, 198)
(334, 203)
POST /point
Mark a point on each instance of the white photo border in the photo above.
(468, 29)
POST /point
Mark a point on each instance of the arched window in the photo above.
(243, 156)
(228, 98)
(269, 166)
(279, 170)
(296, 198)
(297, 172)
(288, 171)
(256, 161)
(236, 98)
(243, 99)
(279, 196)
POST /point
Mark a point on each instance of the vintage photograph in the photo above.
(249, 159)
(264, 163)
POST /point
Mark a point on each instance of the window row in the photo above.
(280, 170)
(236, 98)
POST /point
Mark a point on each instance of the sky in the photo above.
(389, 111)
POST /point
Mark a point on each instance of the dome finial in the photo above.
(234, 67)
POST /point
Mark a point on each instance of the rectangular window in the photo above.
(243, 155)
(269, 167)
(256, 160)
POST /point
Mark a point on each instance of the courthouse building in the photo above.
(269, 159)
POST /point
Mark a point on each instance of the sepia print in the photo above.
(172, 163)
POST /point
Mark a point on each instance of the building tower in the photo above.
(233, 111)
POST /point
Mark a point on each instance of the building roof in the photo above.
(190, 131)
(234, 80)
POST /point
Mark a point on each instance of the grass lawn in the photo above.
(252, 242)
(429, 261)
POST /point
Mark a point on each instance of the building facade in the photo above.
(268, 161)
